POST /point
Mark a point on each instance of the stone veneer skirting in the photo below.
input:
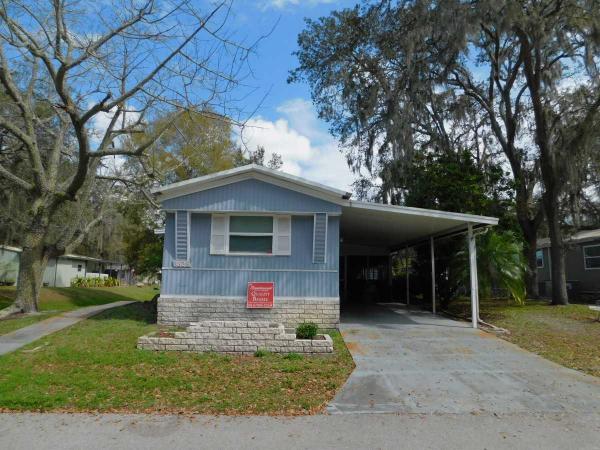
(184, 310)
(236, 337)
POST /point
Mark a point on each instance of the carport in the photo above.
(372, 234)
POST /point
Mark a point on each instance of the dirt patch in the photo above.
(356, 348)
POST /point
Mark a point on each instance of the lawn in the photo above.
(54, 301)
(94, 366)
(568, 335)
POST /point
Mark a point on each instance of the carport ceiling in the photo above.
(392, 226)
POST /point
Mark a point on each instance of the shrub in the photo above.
(307, 330)
(86, 282)
(261, 352)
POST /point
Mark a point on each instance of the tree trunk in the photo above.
(31, 272)
(531, 277)
(557, 254)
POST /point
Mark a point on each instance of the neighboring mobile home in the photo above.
(227, 231)
(60, 271)
(582, 260)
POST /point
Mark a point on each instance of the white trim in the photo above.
(11, 249)
(421, 212)
(223, 269)
(583, 247)
(253, 213)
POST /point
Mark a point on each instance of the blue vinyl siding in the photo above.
(234, 283)
(251, 195)
(228, 275)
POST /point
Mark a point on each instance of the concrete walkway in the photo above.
(23, 336)
(415, 362)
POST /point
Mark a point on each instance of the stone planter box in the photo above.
(236, 337)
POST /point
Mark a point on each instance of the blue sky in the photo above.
(286, 122)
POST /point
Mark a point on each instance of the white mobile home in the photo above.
(61, 270)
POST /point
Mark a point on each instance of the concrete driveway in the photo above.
(415, 362)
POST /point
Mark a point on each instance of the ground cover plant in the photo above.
(95, 366)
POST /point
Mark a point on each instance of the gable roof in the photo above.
(357, 214)
(251, 171)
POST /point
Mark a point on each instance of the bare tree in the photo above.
(94, 74)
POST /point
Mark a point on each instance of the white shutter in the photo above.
(282, 235)
(218, 234)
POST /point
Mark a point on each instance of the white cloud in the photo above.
(307, 150)
(100, 122)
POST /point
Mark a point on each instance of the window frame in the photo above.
(541, 250)
(585, 258)
(229, 233)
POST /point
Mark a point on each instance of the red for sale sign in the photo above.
(260, 294)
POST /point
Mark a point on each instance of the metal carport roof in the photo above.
(393, 226)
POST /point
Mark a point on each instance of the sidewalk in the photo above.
(23, 336)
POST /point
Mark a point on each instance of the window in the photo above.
(591, 257)
(539, 259)
(250, 235)
(79, 267)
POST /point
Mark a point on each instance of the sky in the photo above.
(285, 121)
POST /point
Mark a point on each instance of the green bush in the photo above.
(87, 282)
(261, 352)
(307, 330)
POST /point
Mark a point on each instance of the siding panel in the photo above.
(234, 282)
(251, 195)
(294, 275)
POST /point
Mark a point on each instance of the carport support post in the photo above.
(432, 274)
(474, 281)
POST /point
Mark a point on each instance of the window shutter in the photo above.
(218, 234)
(282, 235)
(320, 238)
(182, 235)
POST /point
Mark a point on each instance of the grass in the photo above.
(568, 335)
(54, 301)
(94, 366)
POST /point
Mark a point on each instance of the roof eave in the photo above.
(471, 218)
(186, 187)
